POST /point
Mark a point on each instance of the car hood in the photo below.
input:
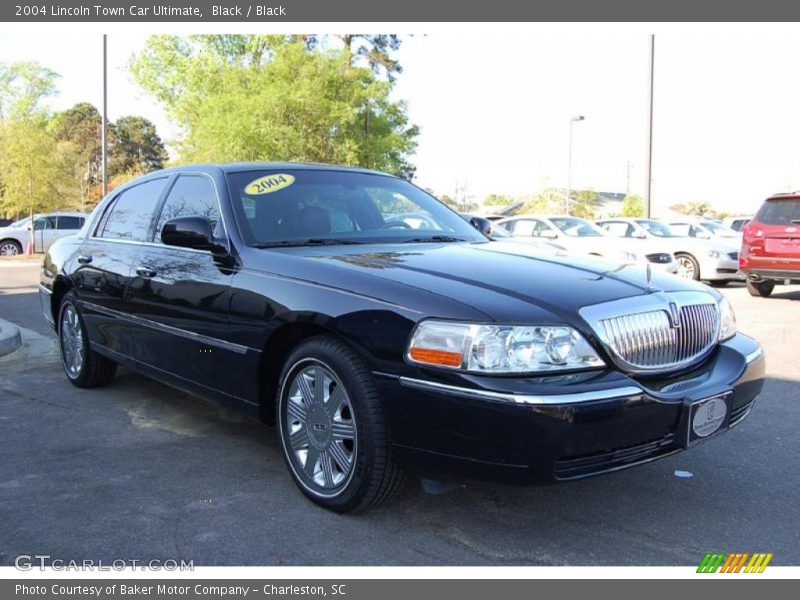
(502, 280)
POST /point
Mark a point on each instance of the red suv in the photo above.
(771, 244)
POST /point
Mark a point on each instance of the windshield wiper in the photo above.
(307, 242)
(433, 238)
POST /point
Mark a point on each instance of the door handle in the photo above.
(145, 271)
(84, 259)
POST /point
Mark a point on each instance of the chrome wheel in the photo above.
(319, 428)
(9, 249)
(71, 337)
(686, 268)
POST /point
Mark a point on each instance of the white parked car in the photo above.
(707, 259)
(47, 229)
(579, 236)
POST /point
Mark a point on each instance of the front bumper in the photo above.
(536, 430)
(724, 268)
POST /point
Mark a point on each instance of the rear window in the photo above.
(779, 212)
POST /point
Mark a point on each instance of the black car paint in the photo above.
(219, 324)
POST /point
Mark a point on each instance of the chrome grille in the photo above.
(650, 340)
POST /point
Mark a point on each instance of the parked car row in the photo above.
(15, 237)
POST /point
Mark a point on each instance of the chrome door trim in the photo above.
(190, 335)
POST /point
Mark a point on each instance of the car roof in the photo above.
(786, 196)
(235, 167)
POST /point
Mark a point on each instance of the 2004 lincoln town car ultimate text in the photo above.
(382, 332)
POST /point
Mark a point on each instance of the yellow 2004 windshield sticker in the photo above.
(269, 184)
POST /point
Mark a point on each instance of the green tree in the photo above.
(549, 201)
(23, 86)
(136, 147)
(373, 49)
(498, 200)
(269, 97)
(31, 175)
(77, 132)
(696, 209)
(584, 205)
(632, 206)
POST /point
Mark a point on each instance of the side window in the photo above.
(539, 227)
(130, 216)
(69, 223)
(618, 228)
(43, 223)
(523, 227)
(191, 196)
(681, 229)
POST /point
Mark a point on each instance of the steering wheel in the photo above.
(400, 224)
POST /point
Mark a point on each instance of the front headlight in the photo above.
(501, 348)
(727, 320)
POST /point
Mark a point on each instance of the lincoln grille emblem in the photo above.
(674, 315)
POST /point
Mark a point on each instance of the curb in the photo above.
(10, 338)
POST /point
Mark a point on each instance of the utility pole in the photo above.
(649, 169)
(104, 131)
(628, 179)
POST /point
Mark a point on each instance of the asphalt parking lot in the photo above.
(140, 471)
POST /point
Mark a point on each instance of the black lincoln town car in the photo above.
(382, 333)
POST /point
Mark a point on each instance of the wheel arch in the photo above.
(12, 239)
(61, 285)
(277, 349)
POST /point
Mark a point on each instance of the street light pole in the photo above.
(104, 130)
(569, 163)
(649, 182)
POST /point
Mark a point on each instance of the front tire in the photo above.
(332, 427)
(760, 288)
(84, 367)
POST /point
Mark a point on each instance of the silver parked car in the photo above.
(712, 260)
(47, 229)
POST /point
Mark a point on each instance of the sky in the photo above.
(494, 108)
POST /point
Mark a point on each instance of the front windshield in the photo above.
(20, 223)
(574, 227)
(656, 228)
(310, 206)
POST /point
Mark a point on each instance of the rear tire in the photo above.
(332, 427)
(10, 248)
(760, 288)
(84, 367)
(687, 266)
